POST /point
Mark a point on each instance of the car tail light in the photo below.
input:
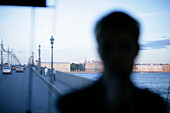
(16, 69)
(3, 69)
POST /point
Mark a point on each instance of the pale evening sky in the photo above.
(72, 23)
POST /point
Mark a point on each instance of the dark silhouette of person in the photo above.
(117, 36)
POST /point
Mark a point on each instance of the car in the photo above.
(24, 66)
(13, 67)
(19, 69)
(6, 70)
(6, 65)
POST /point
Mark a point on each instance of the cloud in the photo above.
(153, 14)
(158, 44)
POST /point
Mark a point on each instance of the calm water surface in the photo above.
(156, 82)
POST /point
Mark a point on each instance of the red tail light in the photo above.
(3, 69)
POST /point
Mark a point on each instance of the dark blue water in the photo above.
(156, 82)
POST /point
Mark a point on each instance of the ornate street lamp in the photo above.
(52, 75)
(33, 59)
(39, 60)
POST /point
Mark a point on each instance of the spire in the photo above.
(85, 60)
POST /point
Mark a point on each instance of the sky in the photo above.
(72, 22)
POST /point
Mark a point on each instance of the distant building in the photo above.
(59, 66)
(97, 66)
(151, 68)
(94, 66)
(166, 67)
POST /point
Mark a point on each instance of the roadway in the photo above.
(16, 96)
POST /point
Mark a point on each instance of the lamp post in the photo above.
(1, 54)
(32, 59)
(8, 55)
(52, 75)
(11, 57)
(39, 59)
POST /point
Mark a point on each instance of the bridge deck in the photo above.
(14, 94)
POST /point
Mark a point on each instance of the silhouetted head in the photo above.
(117, 36)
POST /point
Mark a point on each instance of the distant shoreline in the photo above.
(101, 72)
(83, 72)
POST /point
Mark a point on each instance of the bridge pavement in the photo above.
(14, 94)
(60, 87)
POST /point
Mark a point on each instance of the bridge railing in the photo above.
(73, 81)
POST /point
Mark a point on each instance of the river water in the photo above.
(156, 82)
